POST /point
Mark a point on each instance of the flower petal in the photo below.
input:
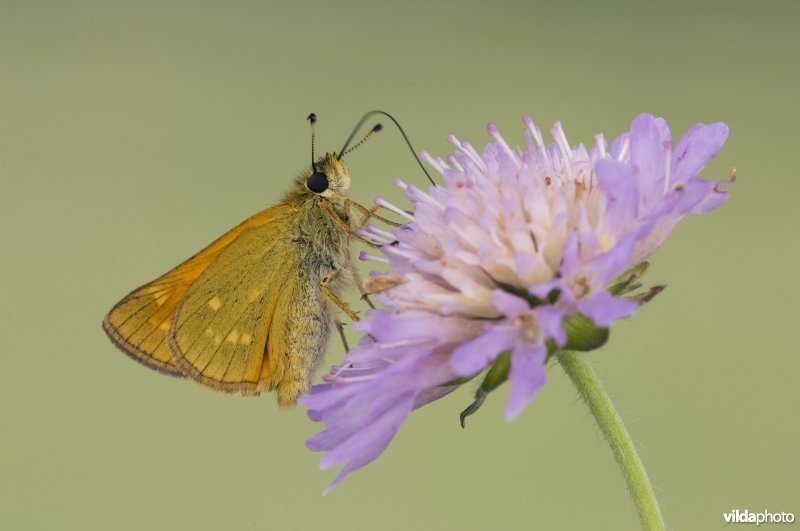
(697, 147)
(472, 357)
(508, 304)
(368, 443)
(605, 267)
(526, 377)
(604, 309)
(647, 151)
(550, 320)
(620, 188)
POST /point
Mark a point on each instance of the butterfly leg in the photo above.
(368, 213)
(323, 284)
(340, 328)
(343, 225)
(351, 267)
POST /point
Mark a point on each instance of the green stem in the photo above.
(610, 423)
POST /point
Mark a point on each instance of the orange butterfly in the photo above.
(253, 311)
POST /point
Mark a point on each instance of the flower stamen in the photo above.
(494, 133)
(563, 146)
(451, 138)
(424, 155)
(365, 233)
(366, 257)
(600, 141)
(387, 205)
(623, 150)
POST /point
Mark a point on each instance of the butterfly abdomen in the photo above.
(323, 250)
(307, 327)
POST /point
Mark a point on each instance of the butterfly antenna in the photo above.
(312, 118)
(375, 130)
(405, 137)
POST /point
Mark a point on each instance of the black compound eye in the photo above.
(317, 182)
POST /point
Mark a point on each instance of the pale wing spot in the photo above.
(233, 337)
(245, 339)
(209, 332)
(164, 325)
(161, 300)
(218, 339)
(215, 303)
(254, 294)
(155, 290)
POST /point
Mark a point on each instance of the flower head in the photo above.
(496, 261)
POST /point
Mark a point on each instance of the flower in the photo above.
(496, 261)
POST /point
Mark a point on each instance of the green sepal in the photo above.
(533, 301)
(461, 380)
(498, 372)
(480, 396)
(648, 295)
(583, 334)
(628, 281)
(495, 377)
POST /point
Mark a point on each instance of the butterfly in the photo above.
(253, 311)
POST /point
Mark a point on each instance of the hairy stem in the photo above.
(610, 424)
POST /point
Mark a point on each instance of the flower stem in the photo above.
(610, 423)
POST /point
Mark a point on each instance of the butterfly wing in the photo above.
(227, 333)
(139, 323)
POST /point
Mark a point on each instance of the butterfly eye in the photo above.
(317, 182)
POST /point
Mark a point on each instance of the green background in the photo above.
(132, 134)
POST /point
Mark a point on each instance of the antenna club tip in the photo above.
(377, 128)
(312, 118)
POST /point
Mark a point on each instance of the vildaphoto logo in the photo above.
(746, 517)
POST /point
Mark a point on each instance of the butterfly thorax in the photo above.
(322, 242)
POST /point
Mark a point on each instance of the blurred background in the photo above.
(132, 134)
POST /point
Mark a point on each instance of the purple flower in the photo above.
(493, 261)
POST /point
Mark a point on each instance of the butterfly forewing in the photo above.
(139, 323)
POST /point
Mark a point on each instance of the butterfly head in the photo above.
(328, 176)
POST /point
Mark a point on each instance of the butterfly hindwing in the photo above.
(221, 334)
